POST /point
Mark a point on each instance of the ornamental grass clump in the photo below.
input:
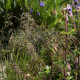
(34, 46)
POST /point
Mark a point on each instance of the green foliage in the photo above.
(69, 78)
(36, 42)
(10, 72)
(50, 14)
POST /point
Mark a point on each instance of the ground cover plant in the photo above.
(39, 39)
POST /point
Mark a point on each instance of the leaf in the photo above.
(69, 77)
(52, 49)
(1, 9)
(47, 72)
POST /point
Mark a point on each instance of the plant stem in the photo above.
(52, 58)
(51, 71)
(74, 24)
(66, 42)
(77, 48)
(78, 69)
(66, 36)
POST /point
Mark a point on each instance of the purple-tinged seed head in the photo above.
(42, 4)
(2, 13)
(78, 7)
(75, 0)
(31, 10)
(69, 7)
(39, 0)
(28, 1)
(38, 13)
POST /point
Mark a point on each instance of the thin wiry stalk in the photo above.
(51, 71)
(78, 68)
(77, 47)
(73, 22)
(66, 42)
